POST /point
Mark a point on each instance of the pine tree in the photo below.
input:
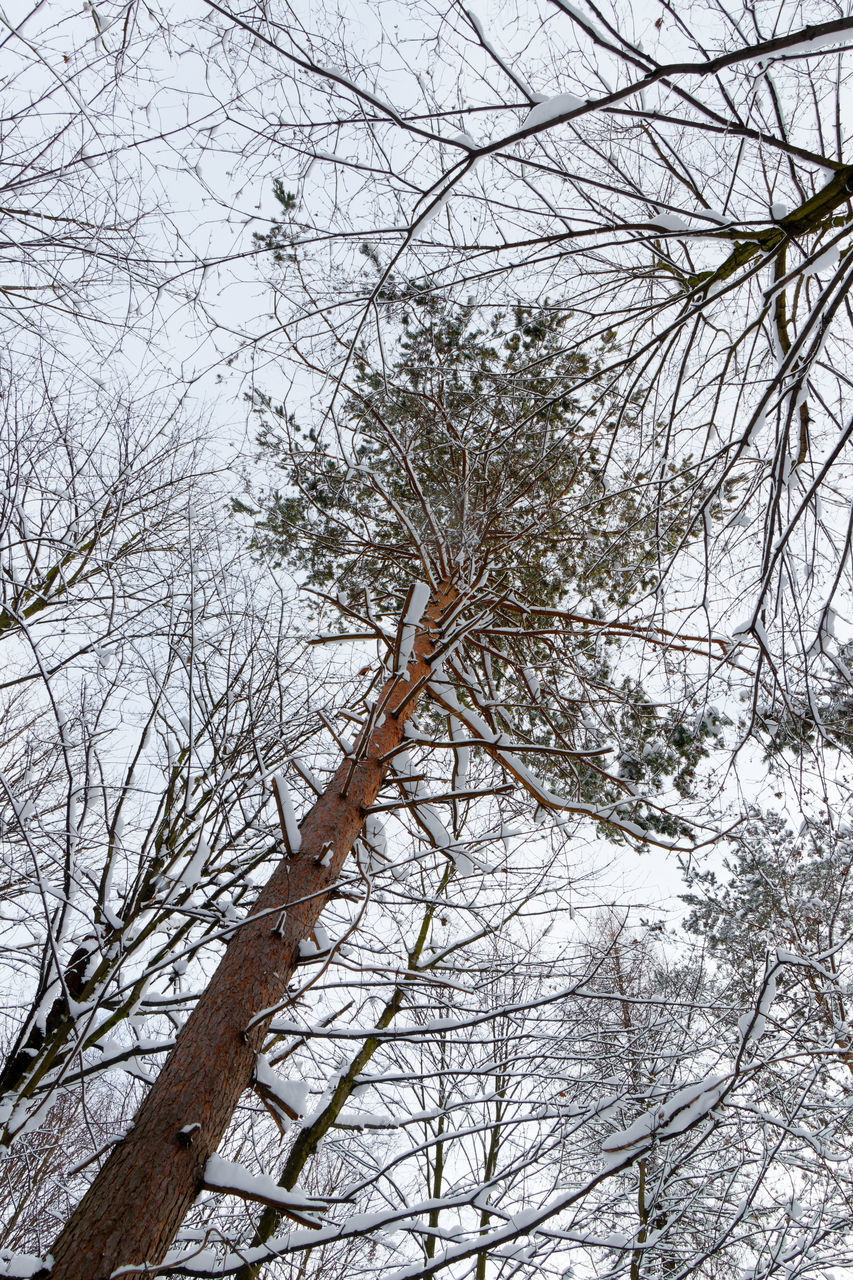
(465, 491)
(778, 925)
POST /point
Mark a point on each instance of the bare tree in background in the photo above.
(144, 704)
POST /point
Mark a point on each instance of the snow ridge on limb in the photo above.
(285, 1099)
(227, 1176)
(410, 619)
(670, 1116)
(287, 817)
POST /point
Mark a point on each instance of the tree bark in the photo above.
(136, 1204)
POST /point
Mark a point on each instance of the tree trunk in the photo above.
(137, 1202)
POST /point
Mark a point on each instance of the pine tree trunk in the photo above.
(137, 1202)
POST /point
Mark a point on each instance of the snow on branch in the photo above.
(666, 1118)
(289, 825)
(416, 602)
(233, 1179)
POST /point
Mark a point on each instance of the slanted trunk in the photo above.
(137, 1202)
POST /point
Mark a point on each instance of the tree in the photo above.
(784, 894)
(446, 476)
(777, 927)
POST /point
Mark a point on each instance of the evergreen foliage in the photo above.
(470, 457)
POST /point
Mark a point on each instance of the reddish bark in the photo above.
(137, 1202)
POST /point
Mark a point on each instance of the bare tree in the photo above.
(143, 707)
